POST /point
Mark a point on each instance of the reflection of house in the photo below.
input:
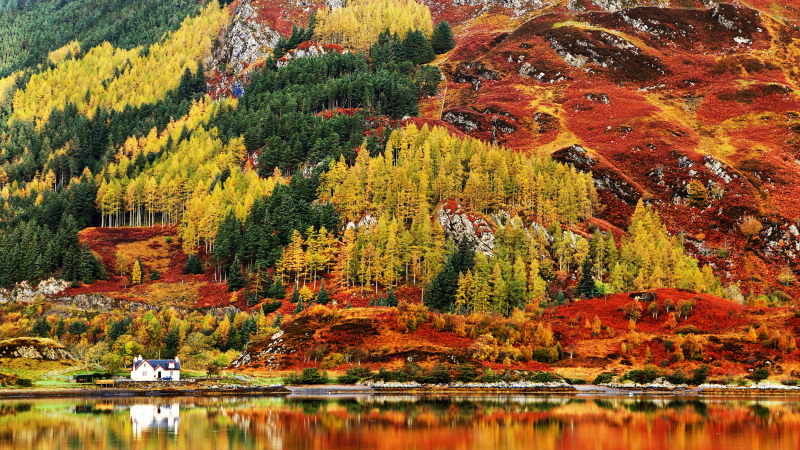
(155, 369)
(144, 417)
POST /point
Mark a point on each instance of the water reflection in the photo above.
(144, 417)
(401, 422)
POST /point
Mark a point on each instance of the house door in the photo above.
(159, 374)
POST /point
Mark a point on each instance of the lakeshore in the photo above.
(192, 390)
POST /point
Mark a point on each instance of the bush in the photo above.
(575, 381)
(760, 375)
(333, 360)
(700, 375)
(489, 377)
(542, 377)
(787, 277)
(687, 329)
(465, 373)
(270, 307)
(545, 355)
(400, 375)
(155, 275)
(354, 375)
(783, 297)
(677, 377)
(645, 376)
(603, 378)
(24, 382)
(168, 240)
(312, 375)
(440, 374)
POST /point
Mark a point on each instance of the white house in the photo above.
(155, 369)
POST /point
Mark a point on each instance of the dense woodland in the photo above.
(309, 174)
(31, 29)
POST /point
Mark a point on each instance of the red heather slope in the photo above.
(655, 99)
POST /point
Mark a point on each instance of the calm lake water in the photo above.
(451, 423)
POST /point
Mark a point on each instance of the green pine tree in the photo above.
(295, 296)
(60, 328)
(391, 299)
(586, 286)
(322, 296)
(235, 277)
(193, 266)
(442, 40)
(277, 291)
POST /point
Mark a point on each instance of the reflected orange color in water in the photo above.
(394, 423)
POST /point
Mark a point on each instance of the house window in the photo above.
(170, 373)
(144, 373)
(171, 365)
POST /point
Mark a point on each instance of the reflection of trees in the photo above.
(395, 423)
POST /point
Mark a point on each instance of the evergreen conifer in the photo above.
(391, 299)
(442, 40)
(295, 296)
(193, 266)
(322, 296)
(235, 277)
(586, 285)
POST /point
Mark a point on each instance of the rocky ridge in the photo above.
(34, 348)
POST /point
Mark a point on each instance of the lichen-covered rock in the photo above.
(459, 224)
(719, 169)
(248, 39)
(34, 348)
(247, 42)
(308, 50)
(27, 294)
(367, 222)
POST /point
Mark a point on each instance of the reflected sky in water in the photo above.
(401, 422)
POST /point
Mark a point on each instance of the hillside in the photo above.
(575, 187)
(374, 337)
(666, 101)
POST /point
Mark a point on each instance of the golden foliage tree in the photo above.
(112, 77)
(136, 273)
(359, 23)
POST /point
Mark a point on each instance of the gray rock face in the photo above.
(31, 352)
(25, 293)
(34, 348)
(517, 6)
(248, 40)
(718, 169)
(460, 224)
(311, 51)
(460, 120)
(97, 302)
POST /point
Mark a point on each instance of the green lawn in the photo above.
(35, 369)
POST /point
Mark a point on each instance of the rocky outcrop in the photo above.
(34, 348)
(367, 222)
(247, 42)
(719, 169)
(248, 39)
(97, 302)
(308, 50)
(460, 224)
(27, 294)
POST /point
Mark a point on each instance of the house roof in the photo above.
(155, 363)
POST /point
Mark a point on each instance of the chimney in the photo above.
(176, 359)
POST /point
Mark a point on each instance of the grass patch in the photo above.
(36, 369)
